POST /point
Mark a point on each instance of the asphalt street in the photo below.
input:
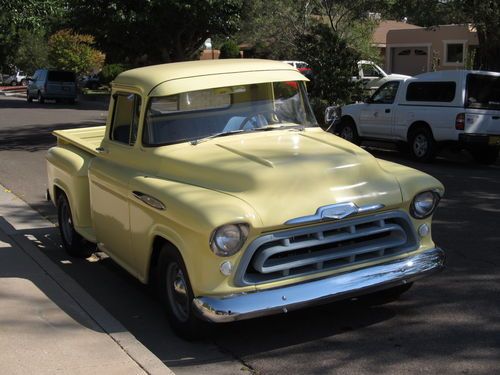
(447, 324)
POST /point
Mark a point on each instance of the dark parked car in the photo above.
(52, 84)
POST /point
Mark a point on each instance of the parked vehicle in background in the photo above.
(213, 180)
(461, 108)
(18, 78)
(56, 85)
(91, 82)
(373, 76)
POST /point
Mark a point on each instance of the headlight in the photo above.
(228, 239)
(424, 204)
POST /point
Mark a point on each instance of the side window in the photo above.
(125, 118)
(386, 93)
(431, 92)
(370, 71)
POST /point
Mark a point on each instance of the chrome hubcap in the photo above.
(420, 145)
(177, 292)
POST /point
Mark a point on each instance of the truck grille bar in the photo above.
(324, 247)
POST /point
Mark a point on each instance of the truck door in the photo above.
(110, 176)
(377, 115)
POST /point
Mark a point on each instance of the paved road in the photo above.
(446, 324)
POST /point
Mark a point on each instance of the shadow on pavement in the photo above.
(83, 103)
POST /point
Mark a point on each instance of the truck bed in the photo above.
(87, 139)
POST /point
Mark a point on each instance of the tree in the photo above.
(32, 51)
(71, 51)
(229, 50)
(154, 31)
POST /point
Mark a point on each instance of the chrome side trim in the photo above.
(149, 200)
(335, 211)
(337, 287)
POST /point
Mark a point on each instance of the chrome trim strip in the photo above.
(335, 211)
(337, 287)
(149, 200)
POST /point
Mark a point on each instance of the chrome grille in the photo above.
(325, 247)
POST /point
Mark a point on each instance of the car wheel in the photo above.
(13, 83)
(74, 244)
(487, 155)
(422, 145)
(347, 130)
(385, 296)
(176, 294)
(28, 97)
(40, 98)
(23, 82)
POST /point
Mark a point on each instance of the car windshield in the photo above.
(220, 111)
(483, 91)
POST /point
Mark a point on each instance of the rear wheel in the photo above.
(176, 294)
(74, 244)
(28, 97)
(347, 130)
(422, 145)
(487, 155)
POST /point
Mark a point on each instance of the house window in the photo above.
(405, 52)
(420, 52)
(455, 53)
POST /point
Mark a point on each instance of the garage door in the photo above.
(409, 60)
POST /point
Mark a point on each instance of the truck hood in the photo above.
(283, 174)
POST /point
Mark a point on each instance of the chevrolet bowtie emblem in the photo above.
(336, 211)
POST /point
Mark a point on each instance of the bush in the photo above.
(109, 72)
(229, 50)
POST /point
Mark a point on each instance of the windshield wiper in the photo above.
(221, 134)
(281, 127)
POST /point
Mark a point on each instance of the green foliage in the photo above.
(333, 63)
(71, 51)
(154, 31)
(229, 50)
(32, 51)
(110, 71)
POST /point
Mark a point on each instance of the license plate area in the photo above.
(494, 141)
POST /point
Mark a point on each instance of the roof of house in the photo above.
(380, 34)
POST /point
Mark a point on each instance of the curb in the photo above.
(32, 220)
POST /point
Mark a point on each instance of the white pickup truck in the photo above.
(428, 111)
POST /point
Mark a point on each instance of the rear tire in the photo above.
(422, 145)
(74, 244)
(177, 296)
(347, 130)
(40, 98)
(486, 156)
(28, 97)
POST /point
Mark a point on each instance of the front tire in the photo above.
(28, 97)
(74, 244)
(177, 296)
(40, 98)
(347, 130)
(422, 145)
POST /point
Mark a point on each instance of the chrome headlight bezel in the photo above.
(424, 204)
(228, 239)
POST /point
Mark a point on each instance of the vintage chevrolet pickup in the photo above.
(213, 181)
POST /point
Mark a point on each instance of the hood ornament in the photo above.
(336, 211)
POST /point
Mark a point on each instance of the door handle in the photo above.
(101, 150)
(387, 110)
(149, 200)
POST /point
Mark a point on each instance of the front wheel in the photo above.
(422, 145)
(347, 130)
(74, 244)
(40, 98)
(177, 295)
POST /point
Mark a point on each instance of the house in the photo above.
(418, 50)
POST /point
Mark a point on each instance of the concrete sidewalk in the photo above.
(48, 323)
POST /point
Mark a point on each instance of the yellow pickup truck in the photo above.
(213, 181)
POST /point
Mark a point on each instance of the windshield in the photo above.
(199, 114)
(61, 76)
(483, 91)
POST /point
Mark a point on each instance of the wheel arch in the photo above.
(158, 244)
(418, 125)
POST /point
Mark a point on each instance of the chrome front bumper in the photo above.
(347, 285)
